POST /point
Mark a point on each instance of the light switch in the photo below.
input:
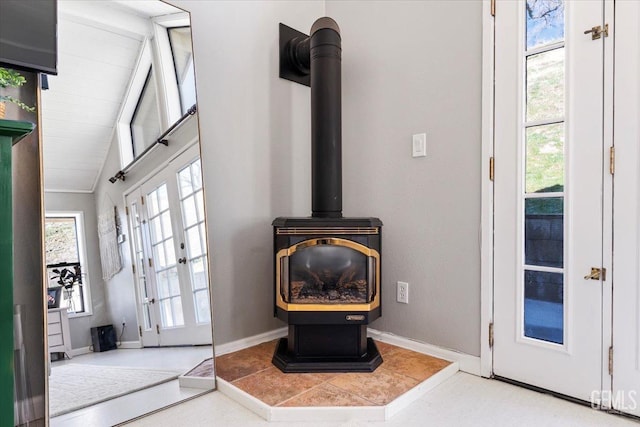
(420, 145)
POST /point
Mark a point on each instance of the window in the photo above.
(66, 262)
(145, 123)
(544, 160)
(162, 87)
(180, 40)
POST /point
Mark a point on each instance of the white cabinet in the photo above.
(58, 331)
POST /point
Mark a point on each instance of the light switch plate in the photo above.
(419, 145)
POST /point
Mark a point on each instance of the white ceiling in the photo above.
(98, 46)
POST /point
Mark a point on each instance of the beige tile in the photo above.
(415, 365)
(274, 387)
(379, 387)
(385, 348)
(239, 364)
(326, 395)
(204, 369)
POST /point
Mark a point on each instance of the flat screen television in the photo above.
(29, 35)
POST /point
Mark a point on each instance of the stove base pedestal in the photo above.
(287, 362)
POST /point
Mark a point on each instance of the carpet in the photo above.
(76, 386)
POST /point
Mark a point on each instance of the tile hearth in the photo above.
(248, 377)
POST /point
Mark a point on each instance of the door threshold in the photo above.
(564, 397)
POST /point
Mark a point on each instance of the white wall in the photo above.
(408, 67)
(255, 134)
(80, 326)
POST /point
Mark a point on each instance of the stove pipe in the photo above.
(326, 119)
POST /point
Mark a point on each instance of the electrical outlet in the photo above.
(403, 292)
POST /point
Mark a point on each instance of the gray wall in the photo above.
(80, 326)
(408, 67)
(412, 67)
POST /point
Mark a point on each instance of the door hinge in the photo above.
(493, 7)
(491, 335)
(142, 199)
(611, 360)
(612, 160)
(492, 168)
(140, 330)
(126, 210)
(133, 267)
(150, 262)
(157, 329)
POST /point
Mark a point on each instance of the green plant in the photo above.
(11, 78)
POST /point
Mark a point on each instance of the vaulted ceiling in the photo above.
(98, 47)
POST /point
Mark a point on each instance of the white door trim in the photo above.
(607, 194)
(486, 191)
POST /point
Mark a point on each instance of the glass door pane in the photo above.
(543, 192)
(192, 207)
(164, 258)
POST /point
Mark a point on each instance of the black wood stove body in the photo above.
(326, 267)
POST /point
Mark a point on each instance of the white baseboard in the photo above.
(130, 344)
(80, 351)
(243, 343)
(467, 363)
(86, 350)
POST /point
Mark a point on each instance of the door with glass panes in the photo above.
(169, 244)
(549, 239)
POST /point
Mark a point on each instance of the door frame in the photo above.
(137, 184)
(487, 191)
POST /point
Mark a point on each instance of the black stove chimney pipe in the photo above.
(326, 119)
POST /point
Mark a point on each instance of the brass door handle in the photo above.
(597, 32)
(596, 274)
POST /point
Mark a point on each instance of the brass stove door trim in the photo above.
(284, 253)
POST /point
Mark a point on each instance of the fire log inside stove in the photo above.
(327, 267)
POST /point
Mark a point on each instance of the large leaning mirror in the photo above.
(129, 316)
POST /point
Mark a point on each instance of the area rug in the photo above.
(76, 386)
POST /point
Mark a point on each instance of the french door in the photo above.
(551, 192)
(170, 255)
(625, 394)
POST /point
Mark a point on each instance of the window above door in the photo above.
(161, 89)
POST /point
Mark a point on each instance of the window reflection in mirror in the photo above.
(180, 38)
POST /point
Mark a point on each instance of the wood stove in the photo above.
(326, 267)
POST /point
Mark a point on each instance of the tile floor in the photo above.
(251, 370)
